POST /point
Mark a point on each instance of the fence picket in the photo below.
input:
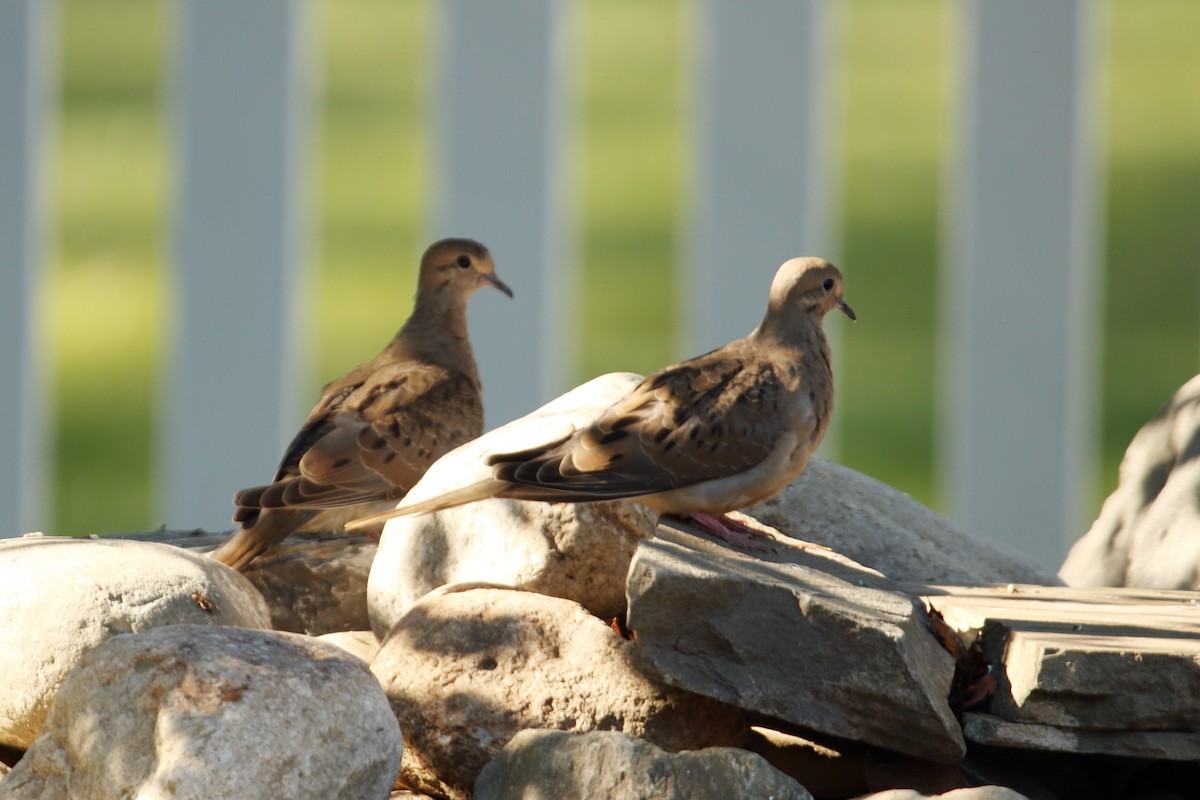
(503, 76)
(231, 385)
(1021, 278)
(25, 89)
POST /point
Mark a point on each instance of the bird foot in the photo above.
(731, 531)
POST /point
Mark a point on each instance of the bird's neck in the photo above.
(799, 346)
(799, 339)
(437, 332)
(792, 330)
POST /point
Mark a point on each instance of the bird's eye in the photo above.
(827, 284)
(464, 261)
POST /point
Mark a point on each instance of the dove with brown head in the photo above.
(719, 432)
(377, 428)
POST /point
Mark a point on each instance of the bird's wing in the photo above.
(376, 441)
(707, 418)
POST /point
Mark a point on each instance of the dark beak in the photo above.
(491, 278)
(847, 310)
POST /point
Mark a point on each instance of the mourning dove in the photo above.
(377, 428)
(719, 432)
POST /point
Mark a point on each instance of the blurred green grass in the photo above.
(108, 324)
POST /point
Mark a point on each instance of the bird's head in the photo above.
(810, 286)
(458, 266)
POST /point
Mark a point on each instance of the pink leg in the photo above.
(738, 534)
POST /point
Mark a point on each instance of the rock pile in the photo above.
(510, 666)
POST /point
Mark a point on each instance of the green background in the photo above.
(107, 295)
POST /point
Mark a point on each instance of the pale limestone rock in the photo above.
(802, 635)
(971, 793)
(313, 583)
(887, 530)
(616, 766)
(63, 597)
(196, 712)
(577, 551)
(469, 667)
(1148, 531)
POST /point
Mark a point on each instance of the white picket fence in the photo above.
(1019, 398)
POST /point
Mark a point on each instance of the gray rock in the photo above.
(802, 635)
(469, 667)
(196, 712)
(316, 584)
(579, 552)
(63, 597)
(1147, 532)
(616, 766)
(988, 729)
(1111, 659)
(1077, 682)
(887, 530)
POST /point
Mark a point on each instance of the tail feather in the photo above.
(248, 543)
(489, 487)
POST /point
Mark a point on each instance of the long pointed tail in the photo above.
(247, 544)
(458, 497)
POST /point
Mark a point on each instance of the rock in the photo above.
(1078, 682)
(971, 793)
(63, 597)
(1146, 532)
(198, 712)
(316, 584)
(469, 667)
(1096, 659)
(580, 552)
(577, 551)
(885, 529)
(988, 729)
(802, 635)
(361, 644)
(616, 766)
